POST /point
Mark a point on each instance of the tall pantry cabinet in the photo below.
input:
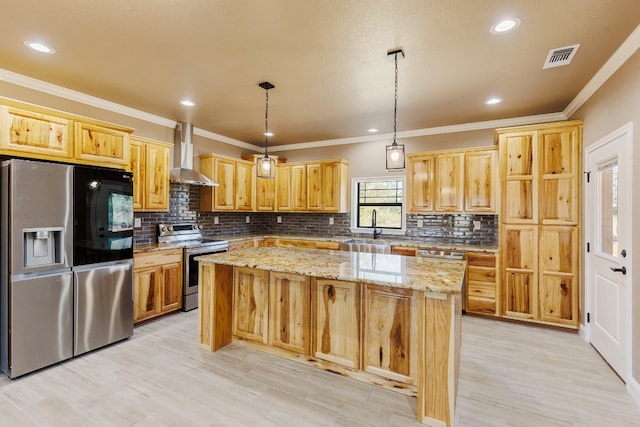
(540, 222)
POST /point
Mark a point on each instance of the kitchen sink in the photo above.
(365, 246)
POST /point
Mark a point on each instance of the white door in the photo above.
(608, 231)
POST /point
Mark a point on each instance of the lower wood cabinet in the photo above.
(336, 306)
(390, 333)
(290, 312)
(251, 304)
(157, 283)
(482, 283)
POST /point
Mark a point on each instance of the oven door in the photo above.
(190, 285)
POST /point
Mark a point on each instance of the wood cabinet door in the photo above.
(284, 192)
(244, 185)
(299, 197)
(558, 267)
(251, 304)
(518, 166)
(519, 246)
(146, 292)
(224, 196)
(559, 175)
(34, 133)
(336, 321)
(390, 339)
(481, 181)
(314, 187)
(136, 166)
(266, 194)
(449, 182)
(171, 295)
(156, 172)
(101, 145)
(420, 174)
(290, 312)
(334, 188)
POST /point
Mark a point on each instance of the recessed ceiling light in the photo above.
(493, 101)
(187, 103)
(40, 47)
(373, 130)
(505, 26)
(268, 133)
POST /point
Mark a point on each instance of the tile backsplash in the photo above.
(185, 199)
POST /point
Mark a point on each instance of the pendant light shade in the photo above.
(266, 166)
(395, 151)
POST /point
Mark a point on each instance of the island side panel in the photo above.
(215, 302)
(439, 352)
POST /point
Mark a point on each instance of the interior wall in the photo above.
(616, 103)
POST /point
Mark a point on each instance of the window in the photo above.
(386, 197)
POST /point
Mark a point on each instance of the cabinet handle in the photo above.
(622, 269)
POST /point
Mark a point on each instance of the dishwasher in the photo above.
(453, 255)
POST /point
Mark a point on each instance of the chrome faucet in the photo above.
(376, 233)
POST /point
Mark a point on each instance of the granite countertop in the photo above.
(417, 273)
(150, 247)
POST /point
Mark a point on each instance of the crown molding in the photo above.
(619, 57)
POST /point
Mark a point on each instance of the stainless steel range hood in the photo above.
(182, 171)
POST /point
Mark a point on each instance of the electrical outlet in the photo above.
(476, 225)
(216, 220)
(331, 220)
(137, 222)
(420, 223)
(279, 219)
(247, 219)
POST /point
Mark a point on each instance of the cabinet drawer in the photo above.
(483, 290)
(481, 274)
(481, 306)
(157, 258)
(481, 259)
(297, 243)
(404, 250)
(328, 245)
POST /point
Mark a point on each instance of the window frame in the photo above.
(355, 204)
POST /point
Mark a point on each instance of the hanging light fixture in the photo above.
(266, 166)
(395, 151)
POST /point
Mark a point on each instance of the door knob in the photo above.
(622, 269)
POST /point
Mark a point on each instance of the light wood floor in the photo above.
(511, 375)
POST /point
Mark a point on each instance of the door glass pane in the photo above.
(608, 209)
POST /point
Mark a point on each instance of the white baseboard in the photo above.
(633, 387)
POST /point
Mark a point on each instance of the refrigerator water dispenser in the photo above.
(43, 246)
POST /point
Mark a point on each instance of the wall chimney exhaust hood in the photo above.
(182, 171)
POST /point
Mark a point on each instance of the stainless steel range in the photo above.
(190, 237)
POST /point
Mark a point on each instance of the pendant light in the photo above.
(395, 151)
(266, 166)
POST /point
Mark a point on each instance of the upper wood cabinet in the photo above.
(284, 195)
(32, 132)
(334, 186)
(481, 181)
(449, 181)
(266, 194)
(149, 162)
(453, 181)
(299, 201)
(36, 132)
(420, 174)
(235, 179)
(314, 187)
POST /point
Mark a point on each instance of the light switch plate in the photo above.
(331, 220)
(216, 220)
(279, 219)
(420, 223)
(248, 219)
(476, 225)
(137, 223)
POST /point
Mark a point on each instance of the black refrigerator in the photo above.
(66, 263)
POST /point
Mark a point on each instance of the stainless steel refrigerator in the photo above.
(50, 309)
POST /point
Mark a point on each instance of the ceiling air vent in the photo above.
(560, 56)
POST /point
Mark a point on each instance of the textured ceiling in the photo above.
(327, 59)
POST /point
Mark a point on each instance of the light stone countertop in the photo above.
(417, 273)
(150, 247)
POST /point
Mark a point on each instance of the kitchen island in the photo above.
(390, 320)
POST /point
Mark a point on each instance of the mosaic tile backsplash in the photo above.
(185, 200)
